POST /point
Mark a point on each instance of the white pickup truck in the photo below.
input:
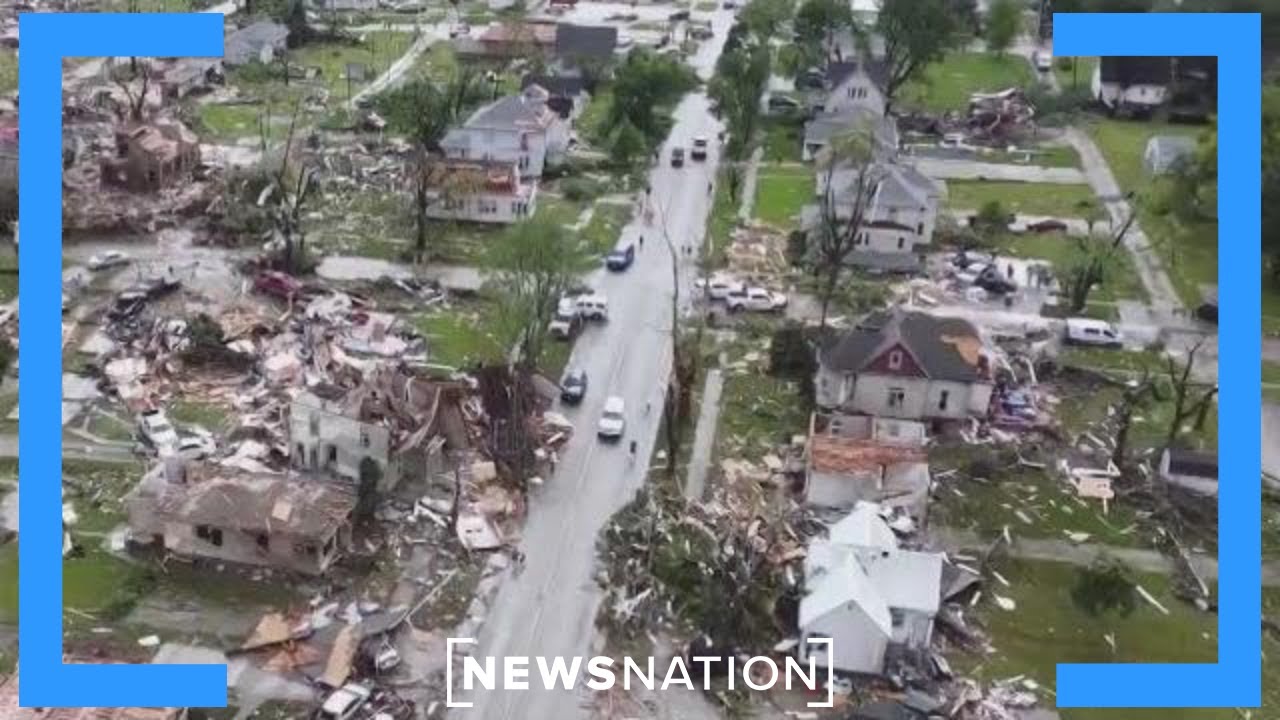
(755, 299)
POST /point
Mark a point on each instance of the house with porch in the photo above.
(521, 129)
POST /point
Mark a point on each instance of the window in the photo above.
(305, 549)
(315, 424)
(211, 535)
(897, 617)
(895, 360)
(943, 397)
(902, 242)
(364, 438)
(332, 454)
(264, 542)
(897, 398)
(919, 228)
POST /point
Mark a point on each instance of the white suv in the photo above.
(613, 420)
(719, 286)
(755, 299)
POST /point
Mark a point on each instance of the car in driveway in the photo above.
(277, 284)
(573, 387)
(718, 287)
(1042, 60)
(1087, 331)
(755, 299)
(612, 422)
(621, 258)
(699, 148)
(567, 321)
(108, 259)
(782, 104)
(156, 430)
(677, 157)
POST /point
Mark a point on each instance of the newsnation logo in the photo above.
(604, 673)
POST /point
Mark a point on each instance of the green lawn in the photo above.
(720, 223)
(193, 412)
(375, 51)
(1270, 372)
(1190, 251)
(757, 412)
(8, 70)
(781, 192)
(783, 139)
(95, 583)
(601, 233)
(439, 62)
(1120, 280)
(1059, 200)
(1048, 628)
(8, 275)
(947, 84)
(461, 335)
(231, 121)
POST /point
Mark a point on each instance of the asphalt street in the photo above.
(549, 608)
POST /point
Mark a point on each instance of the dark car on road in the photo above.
(621, 258)
(677, 157)
(573, 387)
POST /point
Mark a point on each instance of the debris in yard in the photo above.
(1003, 602)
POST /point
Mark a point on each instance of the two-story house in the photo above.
(520, 129)
(482, 191)
(1135, 84)
(905, 364)
(855, 84)
(899, 215)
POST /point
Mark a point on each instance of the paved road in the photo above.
(549, 609)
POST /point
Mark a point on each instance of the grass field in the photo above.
(781, 192)
(1058, 200)
(947, 84)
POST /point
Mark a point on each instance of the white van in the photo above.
(1087, 331)
(593, 307)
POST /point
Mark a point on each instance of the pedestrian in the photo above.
(647, 403)
(710, 188)
(641, 242)
(633, 452)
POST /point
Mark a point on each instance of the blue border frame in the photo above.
(1236, 680)
(46, 682)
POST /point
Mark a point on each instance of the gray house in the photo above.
(819, 131)
(261, 41)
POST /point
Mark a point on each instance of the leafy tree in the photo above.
(762, 18)
(534, 263)
(367, 491)
(643, 85)
(816, 24)
(1104, 586)
(627, 145)
(1004, 19)
(1089, 267)
(842, 208)
(917, 33)
(741, 77)
(296, 21)
(966, 14)
(991, 219)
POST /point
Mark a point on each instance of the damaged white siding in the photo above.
(902, 397)
(859, 644)
(325, 441)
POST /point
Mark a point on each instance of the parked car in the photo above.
(574, 386)
(593, 307)
(718, 287)
(159, 287)
(730, 5)
(612, 421)
(127, 304)
(621, 258)
(994, 281)
(157, 431)
(460, 30)
(755, 299)
(677, 157)
(1043, 60)
(277, 284)
(782, 103)
(1087, 331)
(108, 259)
(195, 447)
(345, 702)
(699, 148)
(701, 32)
(567, 321)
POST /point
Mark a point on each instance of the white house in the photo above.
(866, 594)
(855, 84)
(900, 214)
(851, 459)
(482, 191)
(1134, 83)
(910, 365)
(520, 129)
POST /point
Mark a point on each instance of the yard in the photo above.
(1190, 251)
(1056, 200)
(947, 84)
(230, 122)
(720, 223)
(1120, 280)
(783, 137)
(1074, 73)
(461, 335)
(8, 70)
(781, 192)
(376, 51)
(95, 583)
(607, 220)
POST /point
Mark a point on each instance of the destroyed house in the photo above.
(520, 129)
(214, 512)
(481, 191)
(905, 364)
(513, 39)
(853, 459)
(152, 156)
(873, 599)
(400, 422)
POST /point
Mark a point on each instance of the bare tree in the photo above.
(1190, 399)
(1136, 397)
(289, 191)
(843, 208)
(1090, 268)
(137, 103)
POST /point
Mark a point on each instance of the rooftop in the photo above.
(944, 348)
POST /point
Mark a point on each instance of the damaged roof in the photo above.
(837, 454)
(228, 499)
(944, 348)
